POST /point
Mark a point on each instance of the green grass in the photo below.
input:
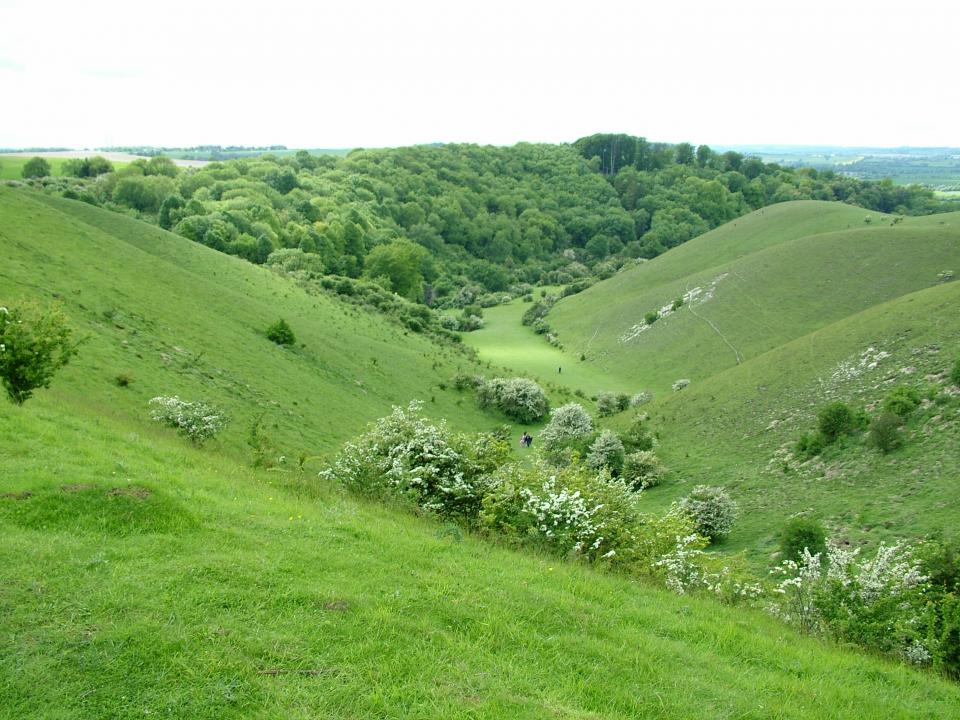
(776, 291)
(11, 166)
(143, 577)
(181, 319)
(796, 307)
(505, 341)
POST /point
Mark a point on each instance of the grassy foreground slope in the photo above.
(775, 287)
(180, 319)
(140, 576)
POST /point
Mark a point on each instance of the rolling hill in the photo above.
(142, 576)
(177, 318)
(786, 309)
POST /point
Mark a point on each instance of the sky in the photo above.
(330, 74)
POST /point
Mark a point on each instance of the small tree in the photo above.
(34, 343)
(834, 420)
(799, 534)
(281, 333)
(606, 452)
(885, 432)
(712, 509)
(35, 167)
(566, 422)
(955, 373)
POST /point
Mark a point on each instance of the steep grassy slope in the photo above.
(808, 315)
(178, 318)
(781, 286)
(736, 428)
(141, 577)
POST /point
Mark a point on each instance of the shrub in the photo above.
(955, 373)
(810, 444)
(570, 511)
(606, 452)
(641, 398)
(834, 420)
(885, 434)
(637, 437)
(712, 510)
(535, 312)
(902, 401)
(799, 534)
(406, 456)
(34, 343)
(540, 327)
(35, 167)
(197, 420)
(607, 404)
(878, 603)
(643, 469)
(123, 380)
(651, 317)
(677, 304)
(281, 333)
(517, 398)
(566, 422)
(464, 381)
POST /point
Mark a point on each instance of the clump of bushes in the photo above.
(281, 333)
(637, 436)
(606, 452)
(198, 421)
(406, 456)
(537, 311)
(712, 509)
(609, 403)
(643, 469)
(834, 420)
(802, 534)
(35, 342)
(465, 381)
(902, 401)
(518, 398)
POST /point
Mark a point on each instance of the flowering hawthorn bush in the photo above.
(567, 422)
(518, 398)
(877, 602)
(606, 452)
(643, 469)
(406, 455)
(712, 509)
(197, 420)
(571, 510)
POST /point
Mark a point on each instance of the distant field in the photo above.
(11, 166)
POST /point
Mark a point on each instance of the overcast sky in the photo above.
(365, 73)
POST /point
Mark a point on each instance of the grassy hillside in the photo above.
(769, 287)
(140, 576)
(177, 318)
(736, 427)
(807, 315)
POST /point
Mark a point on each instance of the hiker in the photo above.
(523, 439)
(529, 440)
(559, 370)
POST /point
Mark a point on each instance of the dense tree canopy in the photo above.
(446, 224)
